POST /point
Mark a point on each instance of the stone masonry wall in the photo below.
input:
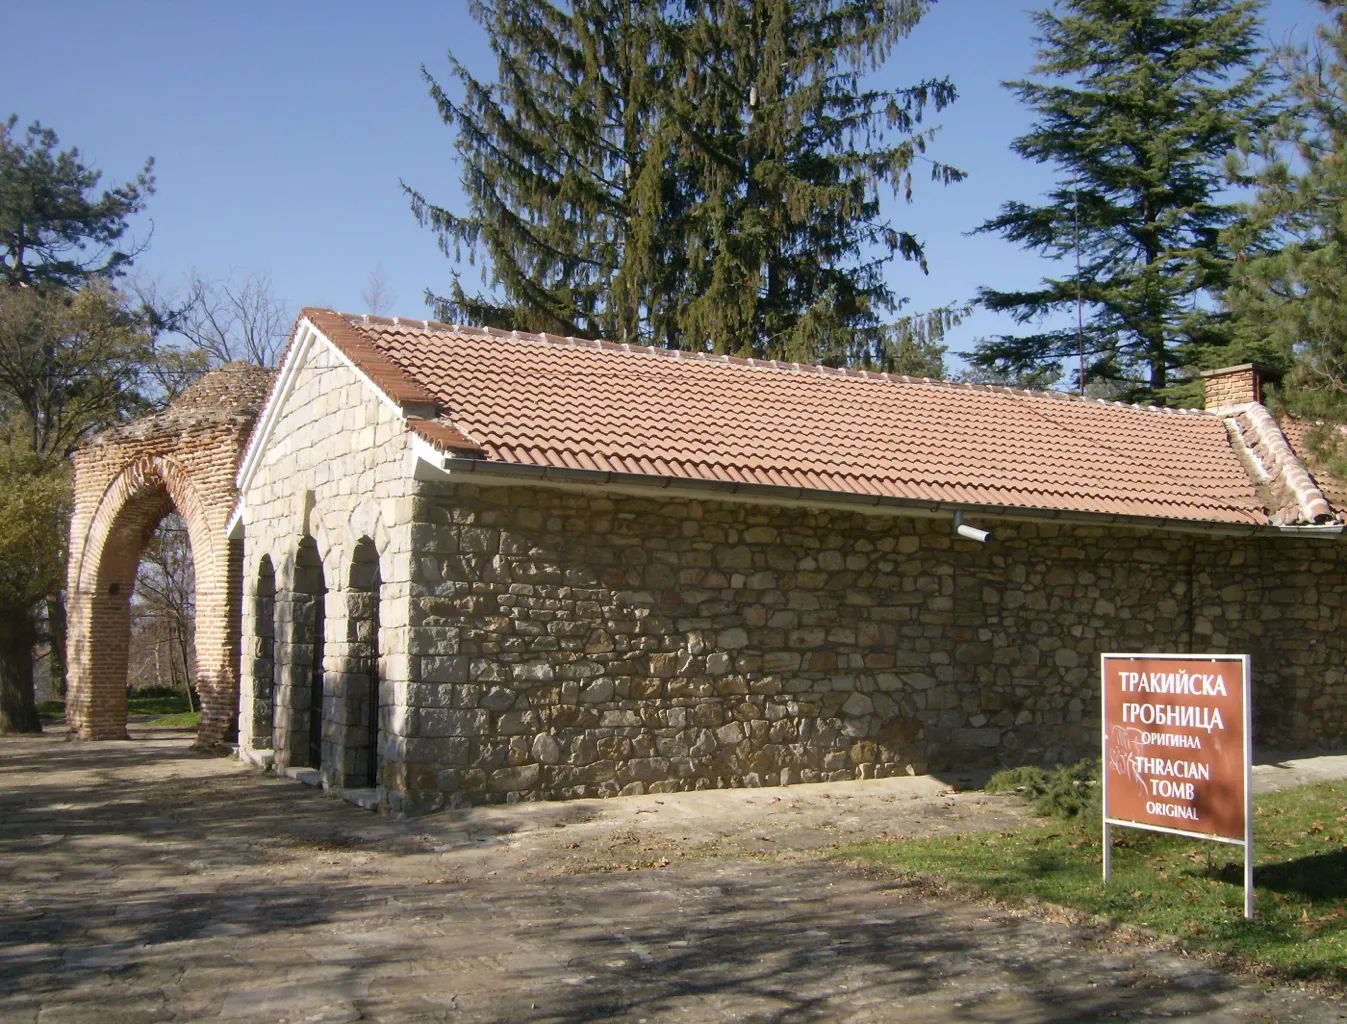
(543, 643)
(336, 471)
(564, 644)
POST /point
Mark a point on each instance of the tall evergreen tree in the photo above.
(1143, 99)
(700, 174)
(787, 155)
(54, 230)
(557, 171)
(1288, 294)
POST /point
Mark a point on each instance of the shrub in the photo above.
(1065, 791)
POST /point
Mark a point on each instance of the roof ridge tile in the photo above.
(1286, 467)
(772, 364)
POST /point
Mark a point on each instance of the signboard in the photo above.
(1178, 748)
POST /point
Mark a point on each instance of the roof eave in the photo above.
(434, 465)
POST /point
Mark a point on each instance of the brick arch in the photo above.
(182, 459)
(126, 514)
(136, 500)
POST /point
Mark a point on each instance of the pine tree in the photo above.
(1142, 101)
(694, 174)
(564, 197)
(788, 155)
(1288, 295)
(54, 231)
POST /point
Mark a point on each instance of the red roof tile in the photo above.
(555, 402)
(1334, 490)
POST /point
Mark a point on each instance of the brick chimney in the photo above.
(1235, 385)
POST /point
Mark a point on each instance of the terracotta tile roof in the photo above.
(1333, 489)
(555, 402)
(1293, 494)
(418, 403)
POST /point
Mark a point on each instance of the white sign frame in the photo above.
(1247, 842)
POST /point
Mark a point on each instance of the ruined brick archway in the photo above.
(126, 480)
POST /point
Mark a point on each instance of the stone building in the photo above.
(480, 566)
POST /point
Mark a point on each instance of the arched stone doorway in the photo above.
(301, 701)
(361, 678)
(127, 479)
(264, 657)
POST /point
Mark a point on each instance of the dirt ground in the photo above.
(141, 882)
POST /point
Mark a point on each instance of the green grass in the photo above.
(165, 704)
(1181, 887)
(159, 704)
(183, 720)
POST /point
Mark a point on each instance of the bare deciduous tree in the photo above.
(233, 319)
(163, 609)
(177, 362)
(378, 296)
(224, 320)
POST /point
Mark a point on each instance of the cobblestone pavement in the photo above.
(140, 882)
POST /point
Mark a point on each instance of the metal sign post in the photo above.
(1178, 749)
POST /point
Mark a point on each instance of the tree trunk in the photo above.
(56, 627)
(18, 709)
(186, 667)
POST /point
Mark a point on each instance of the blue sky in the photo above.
(280, 131)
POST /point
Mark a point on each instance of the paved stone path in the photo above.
(140, 882)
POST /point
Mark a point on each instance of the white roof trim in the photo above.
(234, 527)
(342, 357)
(428, 462)
(286, 376)
(266, 419)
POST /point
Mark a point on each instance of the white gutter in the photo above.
(1312, 530)
(432, 465)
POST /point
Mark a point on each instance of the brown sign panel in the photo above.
(1176, 743)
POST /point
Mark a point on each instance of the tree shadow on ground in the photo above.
(739, 960)
(1319, 876)
(703, 942)
(137, 895)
